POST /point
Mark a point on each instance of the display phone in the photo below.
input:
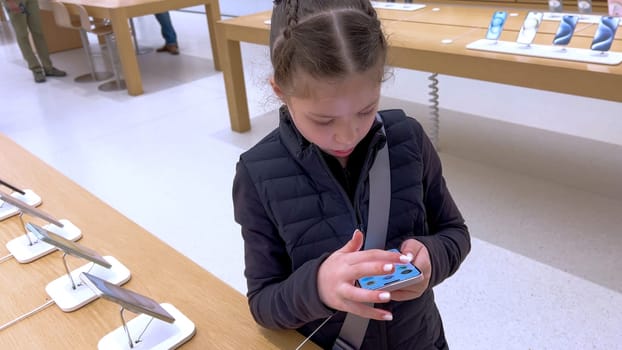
(68, 246)
(496, 25)
(556, 6)
(29, 209)
(584, 6)
(128, 299)
(530, 27)
(404, 275)
(605, 33)
(13, 188)
(567, 24)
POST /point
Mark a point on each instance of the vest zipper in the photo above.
(354, 215)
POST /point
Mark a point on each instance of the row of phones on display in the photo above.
(128, 299)
(602, 41)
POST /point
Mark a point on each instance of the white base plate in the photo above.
(159, 335)
(548, 51)
(24, 252)
(396, 6)
(69, 299)
(30, 198)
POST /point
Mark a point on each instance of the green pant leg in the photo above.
(19, 22)
(36, 31)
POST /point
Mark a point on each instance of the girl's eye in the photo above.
(324, 122)
(367, 113)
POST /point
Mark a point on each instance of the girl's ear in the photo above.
(277, 90)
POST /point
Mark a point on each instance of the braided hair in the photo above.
(325, 39)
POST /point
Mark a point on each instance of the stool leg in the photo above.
(139, 51)
(94, 75)
(118, 83)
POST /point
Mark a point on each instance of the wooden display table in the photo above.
(120, 11)
(219, 312)
(434, 39)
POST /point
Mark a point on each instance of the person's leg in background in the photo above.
(24, 15)
(168, 32)
(36, 31)
(19, 21)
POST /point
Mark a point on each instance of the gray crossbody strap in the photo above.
(354, 327)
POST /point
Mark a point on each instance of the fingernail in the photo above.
(387, 267)
(406, 258)
(388, 317)
(384, 296)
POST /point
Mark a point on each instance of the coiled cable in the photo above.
(434, 110)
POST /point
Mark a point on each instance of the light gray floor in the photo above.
(544, 269)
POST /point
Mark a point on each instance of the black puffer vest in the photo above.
(314, 216)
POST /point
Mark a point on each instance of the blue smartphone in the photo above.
(404, 275)
(565, 30)
(496, 25)
(605, 33)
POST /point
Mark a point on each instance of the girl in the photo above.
(301, 194)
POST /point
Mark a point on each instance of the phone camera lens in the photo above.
(407, 271)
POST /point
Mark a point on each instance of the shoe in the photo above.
(54, 72)
(39, 75)
(173, 49)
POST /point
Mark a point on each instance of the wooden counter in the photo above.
(416, 42)
(120, 11)
(219, 312)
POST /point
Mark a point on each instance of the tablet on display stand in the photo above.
(157, 326)
(65, 292)
(25, 249)
(29, 197)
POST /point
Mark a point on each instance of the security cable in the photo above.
(26, 315)
(5, 258)
(434, 110)
(315, 331)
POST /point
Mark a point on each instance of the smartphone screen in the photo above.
(28, 209)
(605, 33)
(565, 30)
(530, 28)
(69, 247)
(13, 188)
(496, 25)
(404, 275)
(130, 300)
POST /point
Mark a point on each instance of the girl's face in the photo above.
(335, 115)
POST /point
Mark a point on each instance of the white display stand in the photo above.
(30, 198)
(69, 299)
(159, 335)
(548, 51)
(396, 6)
(24, 252)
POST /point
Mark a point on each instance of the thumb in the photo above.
(355, 243)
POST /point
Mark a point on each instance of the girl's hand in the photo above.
(337, 274)
(421, 259)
